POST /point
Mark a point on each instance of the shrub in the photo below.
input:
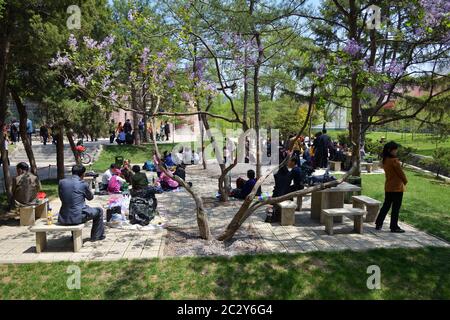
(440, 160)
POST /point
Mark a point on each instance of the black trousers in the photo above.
(394, 200)
(96, 215)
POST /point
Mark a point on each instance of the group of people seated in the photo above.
(117, 178)
(288, 178)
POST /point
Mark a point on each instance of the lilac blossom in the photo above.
(186, 96)
(60, 61)
(82, 82)
(114, 96)
(395, 68)
(108, 55)
(321, 70)
(72, 42)
(106, 83)
(352, 48)
(435, 11)
(67, 83)
(90, 43)
(107, 42)
(171, 84)
(144, 58)
(131, 14)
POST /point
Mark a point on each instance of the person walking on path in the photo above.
(30, 129)
(141, 126)
(394, 187)
(43, 131)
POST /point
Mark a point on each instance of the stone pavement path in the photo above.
(17, 244)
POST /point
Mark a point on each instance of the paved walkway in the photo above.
(17, 244)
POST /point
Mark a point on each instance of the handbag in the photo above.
(141, 211)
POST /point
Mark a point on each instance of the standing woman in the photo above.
(394, 187)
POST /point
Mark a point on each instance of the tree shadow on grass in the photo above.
(406, 274)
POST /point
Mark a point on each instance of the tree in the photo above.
(377, 66)
(440, 160)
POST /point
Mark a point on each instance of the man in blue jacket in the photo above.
(74, 192)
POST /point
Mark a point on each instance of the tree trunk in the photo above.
(60, 153)
(137, 140)
(202, 216)
(256, 98)
(4, 55)
(69, 135)
(202, 140)
(5, 165)
(356, 88)
(23, 116)
(144, 117)
(245, 107)
(222, 183)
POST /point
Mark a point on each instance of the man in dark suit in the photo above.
(73, 192)
(322, 146)
(296, 174)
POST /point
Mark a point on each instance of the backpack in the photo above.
(149, 166)
(142, 210)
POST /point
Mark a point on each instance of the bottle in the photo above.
(49, 216)
(264, 196)
(97, 189)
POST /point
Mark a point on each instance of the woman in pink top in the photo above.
(115, 183)
(166, 182)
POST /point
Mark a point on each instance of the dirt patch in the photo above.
(186, 242)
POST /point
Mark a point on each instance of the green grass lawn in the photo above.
(405, 274)
(424, 143)
(136, 154)
(426, 203)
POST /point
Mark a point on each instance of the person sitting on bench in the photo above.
(25, 185)
(297, 175)
(282, 184)
(73, 192)
(244, 187)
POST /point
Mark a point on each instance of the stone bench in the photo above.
(41, 228)
(335, 165)
(368, 165)
(29, 214)
(372, 206)
(287, 210)
(354, 213)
